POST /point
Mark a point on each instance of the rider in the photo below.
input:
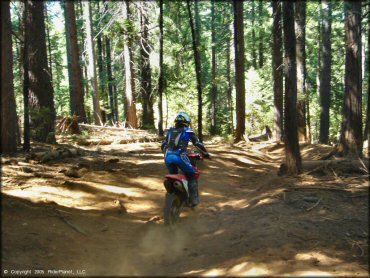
(175, 146)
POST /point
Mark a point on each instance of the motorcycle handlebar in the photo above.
(199, 156)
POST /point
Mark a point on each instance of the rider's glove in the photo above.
(206, 155)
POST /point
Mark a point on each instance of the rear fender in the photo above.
(179, 185)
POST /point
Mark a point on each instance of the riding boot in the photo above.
(193, 192)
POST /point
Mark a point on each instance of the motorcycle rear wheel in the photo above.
(172, 208)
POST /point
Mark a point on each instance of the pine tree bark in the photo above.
(50, 56)
(26, 102)
(146, 72)
(325, 73)
(261, 34)
(351, 135)
(239, 69)
(254, 53)
(214, 69)
(101, 69)
(198, 67)
(76, 92)
(277, 65)
(228, 74)
(301, 68)
(319, 44)
(40, 88)
(81, 38)
(130, 102)
(111, 93)
(8, 108)
(292, 153)
(92, 76)
(161, 73)
(24, 76)
(367, 128)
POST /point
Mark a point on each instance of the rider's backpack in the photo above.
(174, 137)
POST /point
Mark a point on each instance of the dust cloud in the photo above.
(164, 242)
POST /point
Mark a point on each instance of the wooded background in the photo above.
(236, 67)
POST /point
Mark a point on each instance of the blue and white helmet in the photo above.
(182, 119)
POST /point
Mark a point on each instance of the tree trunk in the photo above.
(198, 68)
(325, 73)
(308, 120)
(24, 76)
(8, 109)
(239, 69)
(260, 32)
(254, 54)
(367, 128)
(146, 73)
(130, 101)
(26, 103)
(111, 94)
(81, 38)
(40, 87)
(277, 65)
(292, 153)
(101, 71)
(161, 73)
(214, 69)
(49, 44)
(91, 66)
(76, 92)
(301, 68)
(319, 44)
(351, 136)
(229, 87)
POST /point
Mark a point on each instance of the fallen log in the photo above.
(111, 128)
(58, 153)
(264, 137)
(342, 166)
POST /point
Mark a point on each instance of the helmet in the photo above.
(182, 119)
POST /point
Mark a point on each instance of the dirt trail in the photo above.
(250, 221)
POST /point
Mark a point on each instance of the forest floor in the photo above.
(100, 213)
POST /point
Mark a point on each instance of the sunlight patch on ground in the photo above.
(150, 161)
(227, 164)
(41, 192)
(129, 192)
(149, 182)
(76, 198)
(46, 194)
(192, 272)
(204, 193)
(214, 272)
(324, 260)
(260, 145)
(313, 273)
(247, 161)
(241, 269)
(266, 201)
(141, 206)
(235, 204)
(254, 271)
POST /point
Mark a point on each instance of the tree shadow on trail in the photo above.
(250, 222)
(274, 237)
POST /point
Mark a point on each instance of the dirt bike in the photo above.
(177, 196)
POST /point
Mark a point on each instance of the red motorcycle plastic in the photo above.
(177, 195)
